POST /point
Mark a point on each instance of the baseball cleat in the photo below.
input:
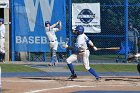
(73, 76)
(51, 64)
(55, 63)
(98, 78)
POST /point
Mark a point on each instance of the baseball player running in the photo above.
(2, 40)
(80, 50)
(53, 43)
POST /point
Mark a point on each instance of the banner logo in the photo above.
(86, 16)
(31, 10)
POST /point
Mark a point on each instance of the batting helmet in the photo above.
(47, 22)
(2, 20)
(138, 67)
(80, 29)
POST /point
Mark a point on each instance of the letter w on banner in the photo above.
(87, 15)
(29, 19)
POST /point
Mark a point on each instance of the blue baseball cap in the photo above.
(2, 20)
(47, 22)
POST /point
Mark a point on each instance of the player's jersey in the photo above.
(81, 41)
(51, 33)
(2, 31)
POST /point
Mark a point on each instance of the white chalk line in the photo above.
(79, 86)
(41, 90)
(23, 81)
(49, 89)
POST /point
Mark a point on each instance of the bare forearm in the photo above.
(54, 25)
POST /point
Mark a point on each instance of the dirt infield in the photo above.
(62, 85)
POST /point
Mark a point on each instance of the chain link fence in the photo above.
(113, 33)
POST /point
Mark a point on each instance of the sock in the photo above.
(54, 57)
(3, 56)
(71, 68)
(93, 72)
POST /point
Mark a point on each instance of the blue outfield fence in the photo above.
(28, 18)
(115, 16)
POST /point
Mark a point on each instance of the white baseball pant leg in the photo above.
(85, 58)
(53, 49)
(71, 58)
(2, 41)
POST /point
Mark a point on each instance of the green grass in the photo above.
(102, 57)
(97, 67)
(109, 68)
(17, 68)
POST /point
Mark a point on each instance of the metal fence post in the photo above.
(70, 25)
(126, 28)
(44, 55)
(12, 23)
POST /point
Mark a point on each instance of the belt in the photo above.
(53, 41)
(83, 50)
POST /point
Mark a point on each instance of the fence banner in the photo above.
(29, 19)
(88, 15)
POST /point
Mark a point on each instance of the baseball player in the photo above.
(80, 50)
(53, 43)
(2, 40)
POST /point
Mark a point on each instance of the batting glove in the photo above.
(65, 46)
(57, 23)
(95, 48)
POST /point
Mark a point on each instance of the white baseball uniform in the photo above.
(81, 45)
(50, 32)
(2, 40)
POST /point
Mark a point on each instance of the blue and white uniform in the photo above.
(81, 52)
(82, 49)
(50, 32)
(52, 39)
(2, 38)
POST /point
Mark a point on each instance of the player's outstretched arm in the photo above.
(92, 45)
(57, 23)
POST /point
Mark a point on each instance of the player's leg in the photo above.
(138, 67)
(54, 52)
(3, 57)
(69, 61)
(53, 49)
(2, 51)
(51, 52)
(54, 57)
(0, 56)
(86, 64)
